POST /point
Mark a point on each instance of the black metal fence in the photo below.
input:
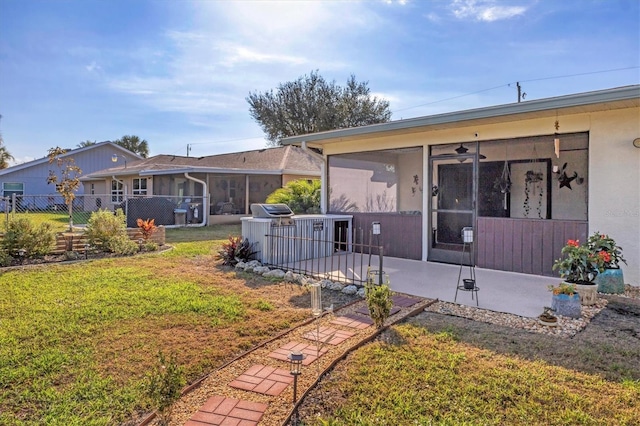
(338, 259)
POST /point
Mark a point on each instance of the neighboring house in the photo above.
(30, 179)
(525, 176)
(212, 189)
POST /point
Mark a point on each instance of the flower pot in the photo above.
(588, 293)
(469, 284)
(567, 306)
(610, 281)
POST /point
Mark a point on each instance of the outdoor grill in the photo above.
(271, 211)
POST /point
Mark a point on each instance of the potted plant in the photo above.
(565, 300)
(611, 279)
(580, 266)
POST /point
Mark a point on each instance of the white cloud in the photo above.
(93, 66)
(233, 48)
(485, 10)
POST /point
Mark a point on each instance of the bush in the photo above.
(150, 246)
(147, 228)
(104, 226)
(164, 385)
(121, 245)
(379, 302)
(37, 240)
(236, 250)
(5, 259)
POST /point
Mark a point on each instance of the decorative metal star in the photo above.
(565, 181)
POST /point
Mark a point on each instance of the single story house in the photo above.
(211, 189)
(29, 180)
(525, 177)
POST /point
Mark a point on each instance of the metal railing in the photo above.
(339, 259)
(166, 210)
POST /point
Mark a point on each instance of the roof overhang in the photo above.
(621, 97)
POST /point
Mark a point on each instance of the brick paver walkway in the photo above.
(329, 335)
(403, 301)
(310, 350)
(263, 379)
(353, 321)
(219, 411)
(365, 310)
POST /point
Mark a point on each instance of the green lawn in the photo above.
(59, 220)
(426, 378)
(77, 340)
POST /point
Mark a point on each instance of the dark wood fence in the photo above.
(400, 234)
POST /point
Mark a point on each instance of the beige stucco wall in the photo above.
(613, 175)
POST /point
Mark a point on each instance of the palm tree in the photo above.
(5, 156)
(134, 144)
(86, 143)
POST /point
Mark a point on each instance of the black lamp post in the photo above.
(140, 242)
(21, 253)
(295, 361)
(86, 251)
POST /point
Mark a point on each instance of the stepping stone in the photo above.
(403, 301)
(365, 310)
(353, 321)
(329, 335)
(219, 410)
(310, 350)
(263, 379)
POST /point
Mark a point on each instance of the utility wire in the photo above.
(521, 81)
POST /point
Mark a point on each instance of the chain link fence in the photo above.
(165, 210)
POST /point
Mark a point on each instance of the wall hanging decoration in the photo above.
(565, 180)
(534, 186)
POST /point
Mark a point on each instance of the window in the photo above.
(12, 188)
(117, 192)
(140, 186)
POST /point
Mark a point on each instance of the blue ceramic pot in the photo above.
(610, 281)
(567, 306)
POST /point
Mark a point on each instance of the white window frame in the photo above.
(137, 188)
(117, 192)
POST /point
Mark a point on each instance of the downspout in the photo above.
(124, 193)
(205, 199)
(323, 177)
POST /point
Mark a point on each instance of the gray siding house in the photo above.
(31, 178)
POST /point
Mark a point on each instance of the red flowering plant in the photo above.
(147, 228)
(579, 264)
(605, 246)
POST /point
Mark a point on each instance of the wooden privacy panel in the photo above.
(529, 246)
(400, 236)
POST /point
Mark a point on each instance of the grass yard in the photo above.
(429, 371)
(59, 219)
(77, 340)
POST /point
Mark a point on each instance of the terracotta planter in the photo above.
(567, 306)
(610, 281)
(588, 293)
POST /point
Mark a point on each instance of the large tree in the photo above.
(311, 104)
(134, 144)
(5, 155)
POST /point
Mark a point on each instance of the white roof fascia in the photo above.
(574, 100)
(209, 170)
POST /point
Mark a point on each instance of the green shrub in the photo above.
(150, 246)
(5, 258)
(37, 240)
(121, 245)
(104, 225)
(164, 385)
(379, 302)
(236, 250)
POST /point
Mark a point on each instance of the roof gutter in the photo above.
(205, 198)
(323, 179)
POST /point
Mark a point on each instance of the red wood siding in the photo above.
(524, 245)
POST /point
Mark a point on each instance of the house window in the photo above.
(117, 191)
(9, 188)
(140, 186)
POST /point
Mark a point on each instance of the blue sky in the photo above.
(178, 72)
